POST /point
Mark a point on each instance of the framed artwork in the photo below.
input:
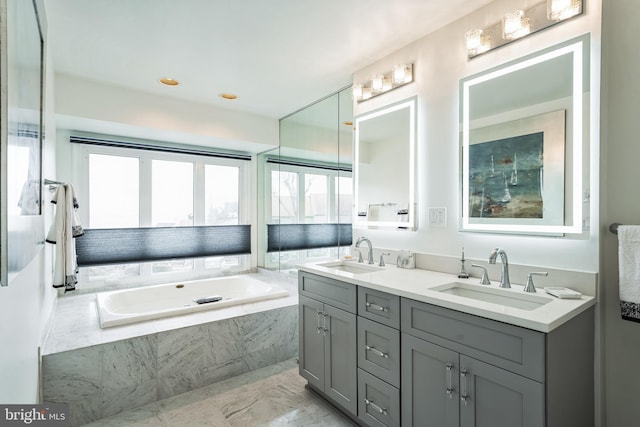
(516, 174)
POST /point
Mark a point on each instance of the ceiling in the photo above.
(277, 56)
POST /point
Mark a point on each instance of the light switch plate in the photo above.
(438, 217)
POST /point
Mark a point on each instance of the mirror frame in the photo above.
(411, 104)
(580, 48)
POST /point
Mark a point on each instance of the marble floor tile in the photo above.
(271, 396)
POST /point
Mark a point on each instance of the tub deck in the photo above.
(76, 323)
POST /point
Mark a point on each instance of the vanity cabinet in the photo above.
(391, 361)
(327, 351)
(464, 370)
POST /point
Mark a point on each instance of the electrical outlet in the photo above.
(438, 217)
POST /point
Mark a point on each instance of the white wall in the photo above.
(440, 62)
(620, 201)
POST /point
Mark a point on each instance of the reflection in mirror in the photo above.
(308, 185)
(385, 167)
(522, 143)
(22, 226)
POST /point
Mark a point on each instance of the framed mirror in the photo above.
(384, 163)
(523, 143)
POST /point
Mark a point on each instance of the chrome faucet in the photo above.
(367, 241)
(504, 278)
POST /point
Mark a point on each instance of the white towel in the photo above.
(629, 271)
(64, 228)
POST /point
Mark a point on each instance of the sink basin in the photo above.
(522, 301)
(350, 267)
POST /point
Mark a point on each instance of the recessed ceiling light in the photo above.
(169, 81)
(228, 96)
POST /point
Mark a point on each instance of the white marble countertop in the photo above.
(419, 285)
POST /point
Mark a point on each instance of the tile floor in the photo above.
(271, 396)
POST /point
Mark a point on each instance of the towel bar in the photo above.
(614, 227)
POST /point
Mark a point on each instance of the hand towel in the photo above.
(62, 233)
(629, 271)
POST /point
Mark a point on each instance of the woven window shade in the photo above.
(289, 237)
(128, 245)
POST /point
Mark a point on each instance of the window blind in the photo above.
(289, 237)
(127, 245)
(164, 148)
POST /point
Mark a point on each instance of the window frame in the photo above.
(80, 156)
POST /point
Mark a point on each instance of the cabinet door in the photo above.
(429, 389)
(493, 397)
(311, 346)
(341, 378)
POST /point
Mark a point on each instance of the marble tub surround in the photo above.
(421, 285)
(274, 396)
(75, 322)
(102, 380)
(103, 372)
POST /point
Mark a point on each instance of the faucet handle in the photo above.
(359, 254)
(381, 263)
(485, 276)
(529, 287)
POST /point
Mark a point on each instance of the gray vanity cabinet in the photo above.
(430, 376)
(327, 351)
(494, 397)
(391, 361)
(463, 370)
(378, 358)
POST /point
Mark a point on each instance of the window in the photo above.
(307, 195)
(123, 188)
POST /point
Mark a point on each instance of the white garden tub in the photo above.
(154, 302)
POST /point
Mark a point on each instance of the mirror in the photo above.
(307, 186)
(523, 161)
(384, 159)
(22, 223)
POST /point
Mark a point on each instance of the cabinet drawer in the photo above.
(378, 402)
(510, 347)
(379, 350)
(334, 292)
(379, 306)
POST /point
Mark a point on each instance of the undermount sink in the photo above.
(522, 301)
(350, 267)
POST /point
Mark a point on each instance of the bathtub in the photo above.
(154, 302)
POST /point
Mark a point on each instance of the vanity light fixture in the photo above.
(400, 75)
(515, 25)
(520, 23)
(477, 42)
(558, 10)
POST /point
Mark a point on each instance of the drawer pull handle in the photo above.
(376, 306)
(377, 352)
(383, 411)
(450, 389)
(463, 395)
